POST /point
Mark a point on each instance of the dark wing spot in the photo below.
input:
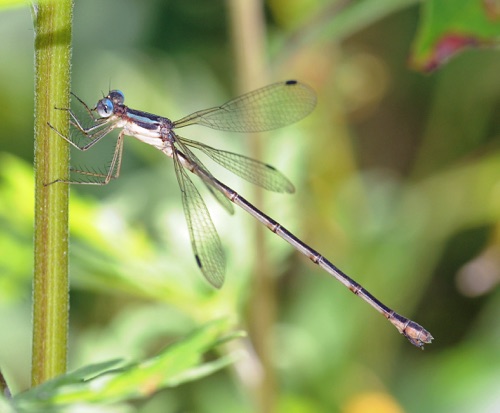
(270, 167)
(198, 260)
(291, 82)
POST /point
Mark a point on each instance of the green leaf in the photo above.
(5, 4)
(5, 406)
(105, 383)
(450, 26)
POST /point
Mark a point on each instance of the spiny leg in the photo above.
(96, 136)
(89, 132)
(89, 111)
(113, 170)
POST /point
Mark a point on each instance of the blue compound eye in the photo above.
(105, 108)
(117, 97)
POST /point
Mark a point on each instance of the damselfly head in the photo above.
(116, 96)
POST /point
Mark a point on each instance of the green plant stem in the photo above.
(52, 23)
(249, 37)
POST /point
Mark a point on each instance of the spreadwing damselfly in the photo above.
(270, 107)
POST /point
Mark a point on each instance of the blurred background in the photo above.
(397, 183)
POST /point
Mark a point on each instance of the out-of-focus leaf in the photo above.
(334, 20)
(4, 4)
(47, 390)
(101, 241)
(5, 406)
(104, 383)
(449, 27)
(16, 227)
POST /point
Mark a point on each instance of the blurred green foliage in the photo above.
(112, 382)
(397, 177)
(447, 28)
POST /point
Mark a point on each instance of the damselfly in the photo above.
(264, 109)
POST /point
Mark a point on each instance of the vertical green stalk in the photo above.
(52, 24)
(248, 31)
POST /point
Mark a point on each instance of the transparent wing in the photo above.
(218, 195)
(263, 109)
(256, 172)
(205, 241)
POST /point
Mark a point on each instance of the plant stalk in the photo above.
(249, 36)
(52, 24)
